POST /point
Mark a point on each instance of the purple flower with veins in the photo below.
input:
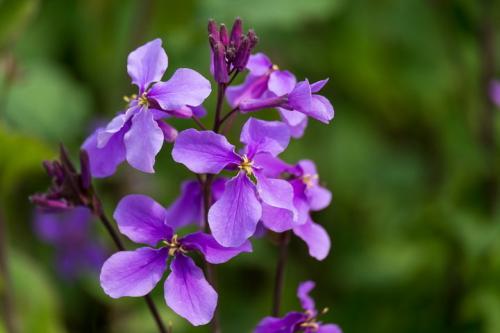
(136, 273)
(137, 134)
(495, 92)
(69, 232)
(251, 195)
(294, 322)
(267, 86)
(188, 207)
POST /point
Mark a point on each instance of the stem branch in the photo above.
(280, 272)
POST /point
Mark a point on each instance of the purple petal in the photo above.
(104, 161)
(303, 294)
(203, 151)
(277, 194)
(300, 98)
(213, 252)
(329, 328)
(185, 87)
(316, 238)
(317, 86)
(234, 216)
(142, 219)
(55, 227)
(321, 109)
(218, 186)
(495, 92)
(307, 167)
(199, 111)
(286, 324)
(252, 88)
(259, 64)
(265, 136)
(114, 126)
(133, 273)
(169, 133)
(249, 105)
(296, 121)
(318, 197)
(188, 293)
(187, 208)
(143, 141)
(281, 82)
(147, 64)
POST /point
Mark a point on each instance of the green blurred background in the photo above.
(409, 158)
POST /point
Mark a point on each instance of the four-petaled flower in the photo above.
(137, 134)
(267, 86)
(251, 195)
(136, 273)
(294, 322)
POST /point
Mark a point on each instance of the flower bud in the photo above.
(236, 33)
(224, 38)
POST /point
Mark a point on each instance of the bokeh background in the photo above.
(410, 157)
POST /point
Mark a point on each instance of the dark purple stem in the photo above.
(280, 272)
(96, 208)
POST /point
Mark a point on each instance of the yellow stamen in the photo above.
(309, 179)
(143, 100)
(246, 165)
(275, 67)
(130, 98)
(174, 246)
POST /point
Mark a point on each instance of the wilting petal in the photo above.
(143, 141)
(133, 273)
(300, 98)
(281, 82)
(104, 161)
(259, 64)
(321, 109)
(286, 324)
(203, 151)
(188, 293)
(316, 238)
(317, 86)
(252, 88)
(147, 64)
(234, 216)
(318, 197)
(142, 219)
(213, 252)
(278, 211)
(169, 133)
(329, 328)
(188, 206)
(185, 87)
(265, 136)
(114, 126)
(296, 121)
(303, 294)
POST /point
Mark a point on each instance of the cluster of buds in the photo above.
(69, 188)
(230, 52)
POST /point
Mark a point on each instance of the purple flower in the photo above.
(137, 134)
(70, 233)
(251, 195)
(267, 86)
(292, 322)
(188, 207)
(495, 92)
(136, 273)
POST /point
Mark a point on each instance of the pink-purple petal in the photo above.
(233, 218)
(281, 82)
(133, 273)
(142, 219)
(265, 136)
(169, 132)
(104, 161)
(316, 238)
(147, 64)
(213, 252)
(203, 151)
(321, 109)
(185, 87)
(259, 64)
(287, 324)
(318, 85)
(252, 88)
(296, 121)
(277, 193)
(318, 197)
(143, 141)
(188, 293)
(306, 301)
(300, 98)
(329, 328)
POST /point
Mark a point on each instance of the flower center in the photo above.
(143, 100)
(174, 246)
(311, 321)
(246, 165)
(275, 67)
(309, 179)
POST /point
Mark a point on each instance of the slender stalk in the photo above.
(228, 115)
(221, 92)
(198, 123)
(6, 299)
(279, 276)
(96, 207)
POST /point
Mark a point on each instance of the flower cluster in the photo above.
(237, 192)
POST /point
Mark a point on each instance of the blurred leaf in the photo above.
(14, 15)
